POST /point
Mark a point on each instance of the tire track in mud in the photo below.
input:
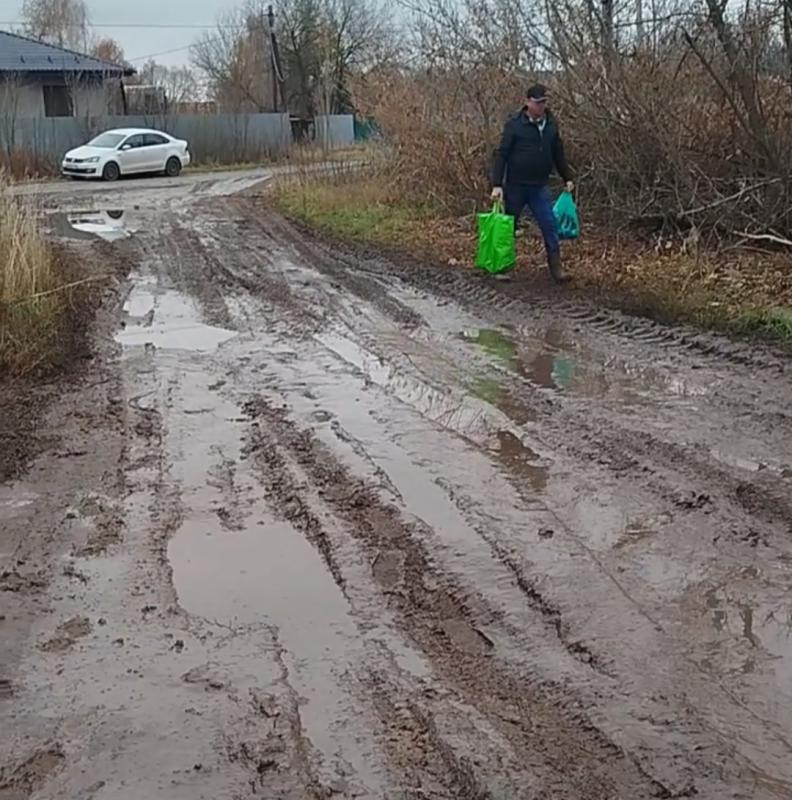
(622, 452)
(288, 742)
(625, 450)
(479, 292)
(264, 736)
(367, 276)
(537, 600)
(418, 751)
(562, 747)
(336, 269)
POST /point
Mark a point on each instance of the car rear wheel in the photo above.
(173, 168)
(111, 172)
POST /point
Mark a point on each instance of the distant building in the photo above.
(146, 99)
(42, 80)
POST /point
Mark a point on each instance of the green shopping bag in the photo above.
(566, 215)
(495, 252)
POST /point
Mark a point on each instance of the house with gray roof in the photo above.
(41, 80)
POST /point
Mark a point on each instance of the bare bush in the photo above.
(674, 113)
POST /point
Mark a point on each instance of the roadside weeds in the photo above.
(49, 296)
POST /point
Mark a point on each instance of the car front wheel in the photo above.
(173, 168)
(111, 172)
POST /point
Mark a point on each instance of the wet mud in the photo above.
(336, 525)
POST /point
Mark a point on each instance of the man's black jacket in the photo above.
(526, 154)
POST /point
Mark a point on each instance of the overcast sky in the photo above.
(141, 42)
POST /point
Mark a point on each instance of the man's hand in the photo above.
(570, 186)
(497, 194)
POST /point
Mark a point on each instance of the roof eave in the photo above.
(126, 72)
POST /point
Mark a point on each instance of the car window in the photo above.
(135, 141)
(152, 139)
(109, 140)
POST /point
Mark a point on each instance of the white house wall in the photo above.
(26, 100)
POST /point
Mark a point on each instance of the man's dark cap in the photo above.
(537, 92)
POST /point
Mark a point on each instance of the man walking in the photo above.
(529, 149)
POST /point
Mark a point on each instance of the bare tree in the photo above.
(180, 84)
(236, 61)
(64, 23)
(320, 43)
(108, 49)
(298, 26)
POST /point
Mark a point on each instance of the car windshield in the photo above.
(107, 140)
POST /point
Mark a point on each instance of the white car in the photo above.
(127, 151)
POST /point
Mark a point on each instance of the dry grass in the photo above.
(22, 164)
(31, 305)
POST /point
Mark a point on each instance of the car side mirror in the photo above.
(126, 147)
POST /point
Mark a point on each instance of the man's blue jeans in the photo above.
(537, 199)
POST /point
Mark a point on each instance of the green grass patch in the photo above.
(353, 212)
(773, 322)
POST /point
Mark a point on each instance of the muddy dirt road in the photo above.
(320, 525)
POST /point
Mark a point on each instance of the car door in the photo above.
(132, 154)
(157, 151)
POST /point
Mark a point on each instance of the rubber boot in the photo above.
(556, 269)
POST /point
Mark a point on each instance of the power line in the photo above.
(141, 25)
(162, 53)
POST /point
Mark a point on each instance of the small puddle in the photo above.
(168, 320)
(110, 225)
(175, 336)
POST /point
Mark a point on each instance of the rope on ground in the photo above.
(64, 287)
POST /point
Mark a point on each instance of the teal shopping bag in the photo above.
(566, 215)
(495, 251)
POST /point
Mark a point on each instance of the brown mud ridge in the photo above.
(324, 524)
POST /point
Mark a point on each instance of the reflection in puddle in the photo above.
(752, 635)
(168, 320)
(175, 336)
(546, 368)
(521, 460)
(109, 225)
(542, 358)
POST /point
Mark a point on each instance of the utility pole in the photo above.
(607, 34)
(788, 37)
(640, 31)
(273, 58)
